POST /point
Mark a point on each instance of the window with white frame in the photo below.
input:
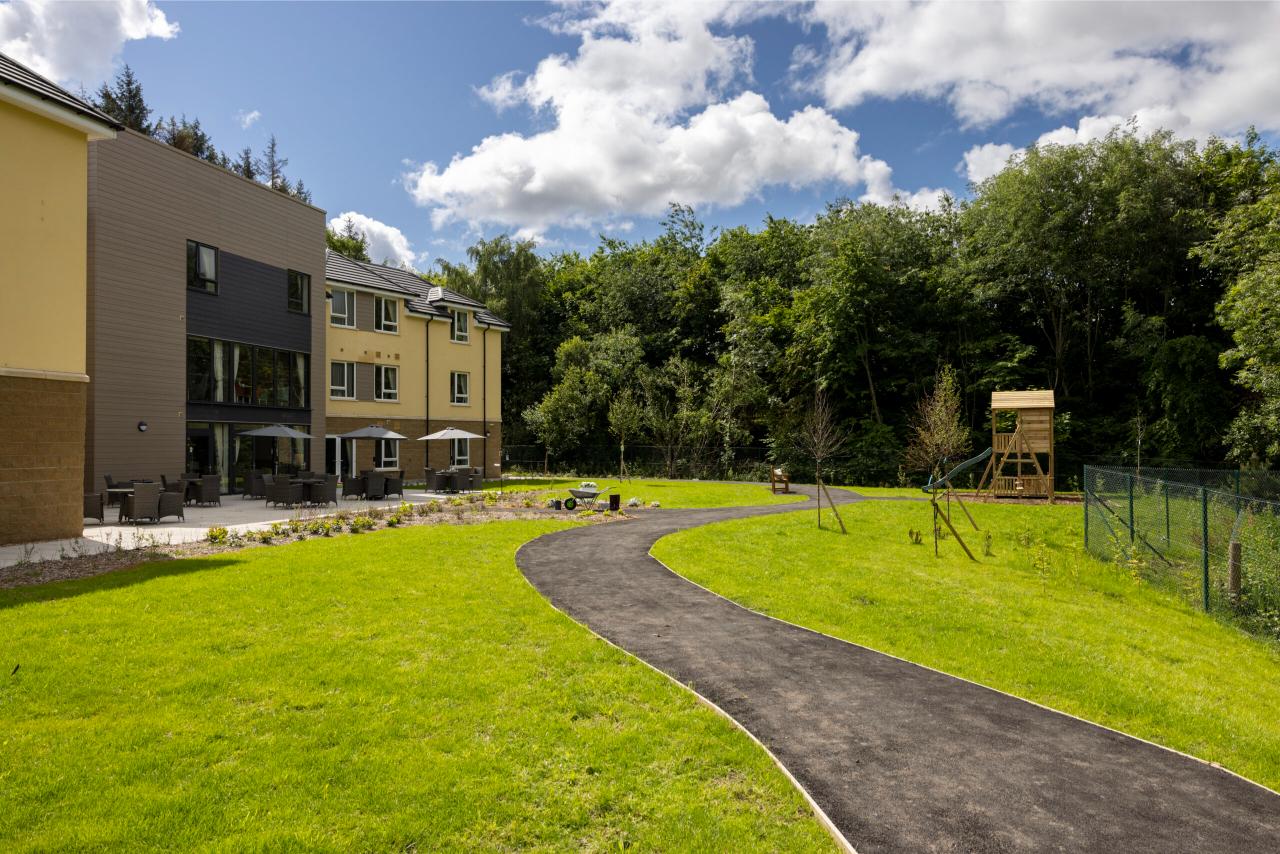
(342, 380)
(459, 328)
(342, 308)
(386, 316)
(387, 382)
(460, 452)
(460, 388)
(386, 454)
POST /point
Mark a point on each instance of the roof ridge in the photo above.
(12, 73)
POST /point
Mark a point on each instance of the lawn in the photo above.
(1039, 619)
(671, 494)
(402, 690)
(888, 491)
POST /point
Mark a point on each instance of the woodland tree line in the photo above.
(1136, 276)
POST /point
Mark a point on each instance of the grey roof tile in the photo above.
(19, 76)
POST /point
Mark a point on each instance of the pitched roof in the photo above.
(1022, 400)
(423, 297)
(18, 76)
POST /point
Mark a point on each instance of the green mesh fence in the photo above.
(1177, 527)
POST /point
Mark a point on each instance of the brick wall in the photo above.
(415, 456)
(42, 425)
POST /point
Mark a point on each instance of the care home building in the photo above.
(206, 318)
(414, 358)
(44, 377)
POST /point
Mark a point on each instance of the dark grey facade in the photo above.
(197, 367)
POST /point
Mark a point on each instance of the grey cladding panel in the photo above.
(364, 311)
(251, 305)
(364, 381)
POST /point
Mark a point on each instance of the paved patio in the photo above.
(235, 514)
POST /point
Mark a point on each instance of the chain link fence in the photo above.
(1212, 535)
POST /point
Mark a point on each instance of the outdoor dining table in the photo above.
(120, 492)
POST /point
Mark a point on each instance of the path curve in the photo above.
(900, 757)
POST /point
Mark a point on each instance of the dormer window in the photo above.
(386, 317)
(459, 326)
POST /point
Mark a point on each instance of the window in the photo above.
(264, 374)
(386, 382)
(460, 452)
(384, 318)
(386, 454)
(298, 397)
(299, 292)
(342, 308)
(460, 384)
(242, 373)
(342, 380)
(202, 267)
(458, 329)
(199, 369)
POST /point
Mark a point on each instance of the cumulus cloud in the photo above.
(246, 119)
(983, 161)
(653, 107)
(77, 42)
(1198, 68)
(387, 244)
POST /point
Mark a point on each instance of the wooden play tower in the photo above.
(1021, 464)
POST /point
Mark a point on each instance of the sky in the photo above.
(434, 124)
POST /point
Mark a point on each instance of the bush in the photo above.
(360, 522)
(406, 509)
(217, 536)
(393, 520)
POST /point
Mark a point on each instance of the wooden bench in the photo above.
(779, 481)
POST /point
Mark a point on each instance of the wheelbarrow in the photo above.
(589, 498)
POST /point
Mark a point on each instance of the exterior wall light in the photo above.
(142, 426)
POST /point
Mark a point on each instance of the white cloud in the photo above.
(387, 244)
(652, 108)
(77, 42)
(1198, 68)
(983, 161)
(246, 119)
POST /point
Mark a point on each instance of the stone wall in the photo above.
(42, 424)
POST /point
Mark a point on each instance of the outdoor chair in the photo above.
(779, 480)
(306, 475)
(437, 481)
(171, 486)
(95, 507)
(144, 503)
(375, 485)
(323, 493)
(395, 486)
(282, 491)
(112, 483)
(257, 487)
(458, 480)
(172, 503)
(475, 480)
(353, 487)
(209, 490)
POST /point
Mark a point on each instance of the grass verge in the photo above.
(671, 494)
(398, 690)
(1037, 618)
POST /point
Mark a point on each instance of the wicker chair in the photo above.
(458, 480)
(475, 480)
(353, 487)
(323, 493)
(112, 483)
(395, 485)
(173, 503)
(375, 485)
(144, 503)
(209, 490)
(95, 507)
(257, 487)
(282, 491)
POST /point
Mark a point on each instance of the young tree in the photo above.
(820, 439)
(270, 167)
(560, 419)
(122, 100)
(938, 429)
(626, 418)
(350, 241)
(188, 136)
(244, 165)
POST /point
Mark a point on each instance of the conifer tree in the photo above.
(122, 100)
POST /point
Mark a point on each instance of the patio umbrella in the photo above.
(373, 431)
(276, 431)
(449, 433)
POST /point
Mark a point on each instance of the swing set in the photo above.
(945, 486)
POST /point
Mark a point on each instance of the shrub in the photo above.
(393, 520)
(526, 502)
(987, 540)
(375, 513)
(434, 506)
(320, 527)
(455, 501)
(406, 509)
(279, 529)
(360, 522)
(584, 513)
(916, 537)
(217, 535)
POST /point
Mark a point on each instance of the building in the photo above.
(414, 358)
(44, 376)
(206, 318)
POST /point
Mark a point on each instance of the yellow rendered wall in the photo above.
(404, 349)
(448, 356)
(43, 238)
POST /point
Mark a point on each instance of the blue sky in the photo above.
(611, 111)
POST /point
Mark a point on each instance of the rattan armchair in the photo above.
(173, 503)
(95, 507)
(283, 491)
(323, 493)
(209, 490)
(375, 485)
(353, 487)
(144, 503)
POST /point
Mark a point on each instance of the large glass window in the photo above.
(458, 326)
(386, 318)
(199, 369)
(284, 368)
(299, 292)
(298, 381)
(242, 372)
(342, 380)
(342, 308)
(264, 373)
(202, 267)
(386, 453)
(460, 392)
(388, 382)
(460, 452)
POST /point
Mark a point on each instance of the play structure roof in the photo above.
(1022, 400)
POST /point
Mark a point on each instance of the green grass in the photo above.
(887, 491)
(671, 494)
(369, 693)
(1043, 621)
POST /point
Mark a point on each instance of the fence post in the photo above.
(1131, 531)
(1086, 511)
(1166, 513)
(1204, 546)
(1233, 572)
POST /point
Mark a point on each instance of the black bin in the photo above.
(615, 501)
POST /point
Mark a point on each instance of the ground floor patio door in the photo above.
(339, 456)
